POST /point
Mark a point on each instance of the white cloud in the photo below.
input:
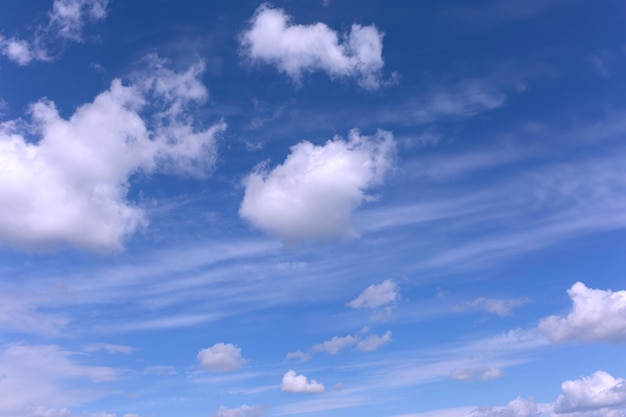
(301, 356)
(313, 193)
(335, 345)
(300, 384)
(519, 407)
(68, 17)
(108, 347)
(596, 392)
(482, 373)
(296, 49)
(45, 376)
(376, 295)
(596, 316)
(69, 187)
(66, 22)
(221, 357)
(243, 411)
(373, 342)
(492, 305)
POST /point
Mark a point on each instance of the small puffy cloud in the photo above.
(595, 316)
(519, 407)
(221, 357)
(600, 391)
(481, 373)
(273, 39)
(373, 342)
(335, 345)
(295, 383)
(243, 411)
(20, 51)
(65, 181)
(299, 355)
(376, 295)
(491, 305)
(312, 195)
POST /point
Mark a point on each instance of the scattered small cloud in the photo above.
(376, 295)
(221, 357)
(520, 407)
(373, 342)
(67, 20)
(295, 383)
(481, 373)
(337, 344)
(492, 305)
(243, 411)
(109, 348)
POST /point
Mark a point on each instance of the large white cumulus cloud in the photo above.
(596, 316)
(313, 193)
(296, 49)
(65, 181)
(598, 392)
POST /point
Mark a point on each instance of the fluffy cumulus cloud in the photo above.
(66, 22)
(293, 382)
(491, 305)
(481, 373)
(376, 295)
(595, 316)
(519, 407)
(221, 357)
(296, 49)
(312, 195)
(243, 411)
(599, 393)
(65, 181)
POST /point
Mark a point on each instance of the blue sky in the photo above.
(316, 208)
